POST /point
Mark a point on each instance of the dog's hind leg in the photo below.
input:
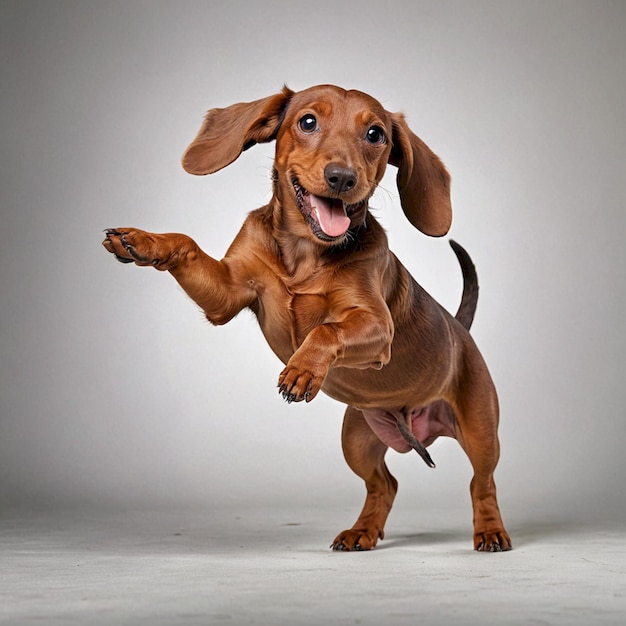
(476, 410)
(365, 454)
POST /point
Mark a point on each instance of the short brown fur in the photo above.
(340, 310)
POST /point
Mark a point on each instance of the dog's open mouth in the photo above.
(329, 218)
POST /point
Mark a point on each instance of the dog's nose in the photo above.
(340, 178)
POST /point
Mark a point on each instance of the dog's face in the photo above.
(332, 147)
(331, 152)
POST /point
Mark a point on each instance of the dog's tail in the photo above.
(467, 308)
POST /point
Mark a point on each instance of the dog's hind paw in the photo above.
(355, 540)
(492, 541)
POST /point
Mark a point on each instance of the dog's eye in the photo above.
(376, 135)
(308, 123)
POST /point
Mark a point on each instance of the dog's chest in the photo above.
(307, 310)
(287, 315)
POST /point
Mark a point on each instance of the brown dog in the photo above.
(335, 305)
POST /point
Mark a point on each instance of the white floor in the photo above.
(274, 567)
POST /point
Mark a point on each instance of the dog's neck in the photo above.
(300, 255)
(301, 252)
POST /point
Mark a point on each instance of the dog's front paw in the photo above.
(300, 382)
(130, 245)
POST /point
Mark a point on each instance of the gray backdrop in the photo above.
(115, 392)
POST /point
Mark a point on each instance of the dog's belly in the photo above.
(427, 423)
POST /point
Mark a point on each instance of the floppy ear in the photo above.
(423, 181)
(226, 133)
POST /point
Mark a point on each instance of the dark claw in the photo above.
(495, 547)
(126, 245)
(287, 395)
(309, 392)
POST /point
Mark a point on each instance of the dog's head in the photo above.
(332, 148)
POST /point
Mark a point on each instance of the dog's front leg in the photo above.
(209, 283)
(361, 340)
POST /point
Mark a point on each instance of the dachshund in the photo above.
(334, 303)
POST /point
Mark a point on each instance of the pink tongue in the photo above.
(330, 215)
